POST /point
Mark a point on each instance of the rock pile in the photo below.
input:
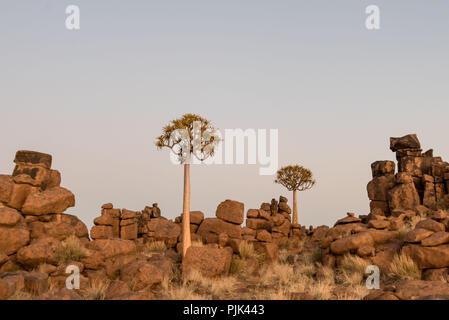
(226, 227)
(142, 226)
(422, 179)
(272, 223)
(407, 214)
(32, 222)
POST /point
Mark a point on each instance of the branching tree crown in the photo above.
(190, 134)
(295, 177)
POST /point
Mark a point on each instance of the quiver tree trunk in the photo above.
(295, 208)
(186, 239)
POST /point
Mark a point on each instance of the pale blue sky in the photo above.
(96, 98)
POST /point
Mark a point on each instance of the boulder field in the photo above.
(128, 253)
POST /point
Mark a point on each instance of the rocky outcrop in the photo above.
(208, 261)
(422, 179)
(31, 210)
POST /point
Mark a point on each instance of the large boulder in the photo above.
(58, 227)
(436, 239)
(142, 274)
(32, 175)
(196, 217)
(283, 228)
(352, 242)
(101, 232)
(419, 289)
(165, 230)
(102, 249)
(378, 187)
(257, 224)
(428, 257)
(38, 252)
(382, 168)
(12, 239)
(113, 247)
(53, 200)
(33, 158)
(6, 188)
(403, 197)
(210, 262)
(217, 226)
(231, 211)
(430, 224)
(19, 193)
(9, 216)
(268, 251)
(417, 235)
(409, 141)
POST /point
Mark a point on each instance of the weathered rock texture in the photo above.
(33, 223)
(421, 179)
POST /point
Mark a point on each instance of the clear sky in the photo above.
(96, 98)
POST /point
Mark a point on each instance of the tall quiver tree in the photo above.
(187, 136)
(295, 178)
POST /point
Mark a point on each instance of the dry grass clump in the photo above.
(285, 245)
(404, 268)
(283, 255)
(197, 243)
(70, 249)
(354, 264)
(352, 270)
(21, 295)
(183, 293)
(320, 290)
(195, 286)
(237, 266)
(216, 287)
(97, 289)
(316, 256)
(409, 226)
(356, 292)
(155, 246)
(247, 251)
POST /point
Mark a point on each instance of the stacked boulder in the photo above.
(428, 245)
(417, 192)
(271, 223)
(141, 226)
(351, 235)
(107, 226)
(32, 219)
(422, 179)
(226, 227)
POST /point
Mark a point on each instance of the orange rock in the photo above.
(53, 200)
(210, 262)
(231, 211)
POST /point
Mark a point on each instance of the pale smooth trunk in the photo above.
(295, 208)
(186, 240)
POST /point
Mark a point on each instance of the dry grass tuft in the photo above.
(70, 249)
(197, 243)
(320, 290)
(246, 251)
(183, 293)
(409, 226)
(404, 268)
(354, 264)
(237, 266)
(316, 256)
(352, 270)
(21, 295)
(217, 287)
(97, 289)
(155, 246)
